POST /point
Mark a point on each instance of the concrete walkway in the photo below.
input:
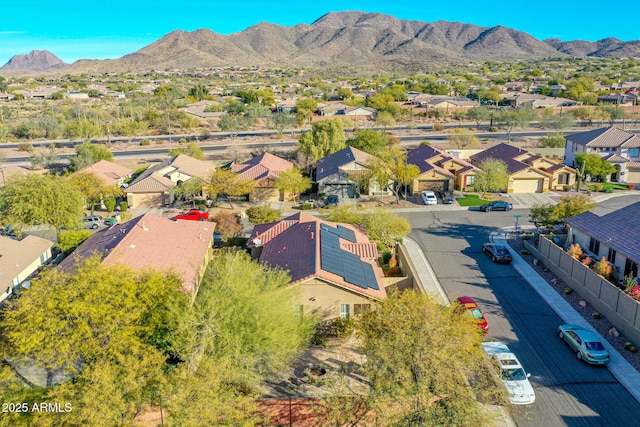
(626, 374)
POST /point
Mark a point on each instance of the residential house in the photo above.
(19, 259)
(618, 98)
(515, 99)
(615, 236)
(151, 241)
(153, 186)
(439, 170)
(265, 170)
(112, 174)
(528, 172)
(334, 265)
(619, 147)
(333, 174)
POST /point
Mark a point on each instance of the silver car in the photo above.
(92, 222)
(585, 343)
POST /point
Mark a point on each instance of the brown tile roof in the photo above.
(560, 166)
(505, 152)
(150, 241)
(263, 166)
(619, 230)
(615, 158)
(633, 165)
(17, 255)
(309, 247)
(332, 163)
(192, 167)
(608, 137)
(153, 183)
(109, 172)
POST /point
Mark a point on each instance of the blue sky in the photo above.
(75, 30)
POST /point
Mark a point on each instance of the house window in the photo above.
(361, 309)
(594, 246)
(634, 152)
(630, 268)
(563, 178)
(470, 179)
(345, 311)
(611, 256)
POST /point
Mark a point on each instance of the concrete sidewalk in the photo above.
(626, 374)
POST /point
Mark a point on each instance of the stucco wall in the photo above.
(322, 298)
(619, 308)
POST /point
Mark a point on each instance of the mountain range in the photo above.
(337, 39)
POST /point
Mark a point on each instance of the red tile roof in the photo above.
(150, 241)
(263, 166)
(110, 173)
(294, 244)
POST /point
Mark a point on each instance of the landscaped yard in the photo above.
(471, 200)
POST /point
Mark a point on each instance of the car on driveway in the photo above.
(429, 198)
(510, 372)
(193, 215)
(496, 205)
(92, 222)
(497, 253)
(586, 344)
(471, 307)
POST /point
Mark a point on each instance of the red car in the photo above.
(193, 215)
(474, 310)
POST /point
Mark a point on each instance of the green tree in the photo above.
(411, 382)
(478, 114)
(226, 346)
(192, 149)
(611, 113)
(40, 199)
(381, 225)
(227, 182)
(593, 165)
(188, 189)
(557, 122)
(200, 91)
(552, 140)
(262, 214)
(492, 177)
(109, 326)
(512, 119)
(44, 157)
(92, 187)
(281, 121)
(88, 154)
(570, 206)
(391, 167)
(463, 138)
(371, 141)
(305, 108)
(385, 119)
(71, 239)
(543, 214)
(324, 138)
(292, 181)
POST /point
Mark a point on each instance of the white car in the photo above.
(511, 373)
(429, 198)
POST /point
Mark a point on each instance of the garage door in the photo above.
(442, 185)
(145, 200)
(527, 185)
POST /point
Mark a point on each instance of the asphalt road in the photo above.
(568, 391)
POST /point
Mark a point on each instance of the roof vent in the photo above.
(257, 242)
(144, 227)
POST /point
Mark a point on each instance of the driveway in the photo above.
(526, 200)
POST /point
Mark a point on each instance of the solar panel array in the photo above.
(336, 260)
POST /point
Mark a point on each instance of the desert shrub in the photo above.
(438, 127)
(145, 142)
(110, 203)
(631, 186)
(568, 291)
(262, 214)
(596, 315)
(630, 282)
(631, 347)
(71, 239)
(307, 206)
(576, 251)
(393, 262)
(386, 256)
(525, 252)
(124, 206)
(566, 187)
(603, 268)
(25, 146)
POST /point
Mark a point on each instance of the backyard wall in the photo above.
(404, 261)
(609, 300)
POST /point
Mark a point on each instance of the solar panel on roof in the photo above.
(347, 233)
(343, 263)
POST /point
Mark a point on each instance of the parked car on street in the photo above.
(92, 222)
(497, 253)
(510, 372)
(193, 215)
(429, 198)
(496, 205)
(585, 343)
(471, 307)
